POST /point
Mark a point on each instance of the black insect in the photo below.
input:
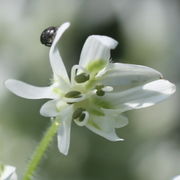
(48, 35)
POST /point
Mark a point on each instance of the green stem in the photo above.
(40, 150)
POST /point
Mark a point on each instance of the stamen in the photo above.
(78, 113)
(82, 117)
(100, 92)
(74, 99)
(70, 102)
(83, 77)
(99, 87)
(75, 69)
(73, 94)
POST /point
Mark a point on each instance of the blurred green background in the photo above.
(148, 32)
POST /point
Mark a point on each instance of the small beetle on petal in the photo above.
(48, 35)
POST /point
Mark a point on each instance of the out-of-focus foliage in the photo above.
(148, 34)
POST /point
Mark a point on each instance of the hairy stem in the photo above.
(40, 150)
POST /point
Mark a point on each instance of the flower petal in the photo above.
(123, 76)
(28, 91)
(105, 125)
(55, 57)
(117, 120)
(176, 177)
(96, 48)
(111, 136)
(8, 173)
(52, 108)
(65, 130)
(141, 96)
(49, 109)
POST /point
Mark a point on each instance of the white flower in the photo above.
(176, 178)
(7, 172)
(98, 91)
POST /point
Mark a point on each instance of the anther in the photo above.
(81, 78)
(82, 117)
(78, 113)
(99, 87)
(73, 94)
(100, 92)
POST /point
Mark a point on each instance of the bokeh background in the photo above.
(148, 32)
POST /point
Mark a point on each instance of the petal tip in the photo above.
(9, 84)
(162, 86)
(106, 40)
(119, 139)
(64, 153)
(65, 25)
(63, 150)
(173, 88)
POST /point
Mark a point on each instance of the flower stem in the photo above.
(40, 150)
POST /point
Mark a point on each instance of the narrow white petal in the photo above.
(105, 125)
(49, 109)
(141, 96)
(28, 91)
(111, 136)
(65, 130)
(55, 57)
(96, 48)
(124, 76)
(64, 136)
